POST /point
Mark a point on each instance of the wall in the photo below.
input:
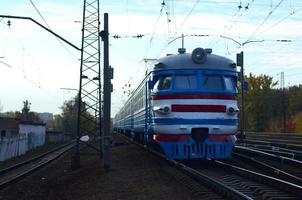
(35, 133)
(13, 146)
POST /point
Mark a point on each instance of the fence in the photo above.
(13, 146)
(58, 137)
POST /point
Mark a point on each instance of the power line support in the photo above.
(45, 28)
(108, 75)
(240, 62)
(283, 102)
(90, 81)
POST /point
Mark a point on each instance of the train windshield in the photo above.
(213, 82)
(185, 82)
(229, 83)
(163, 83)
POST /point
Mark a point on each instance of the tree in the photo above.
(297, 119)
(58, 123)
(25, 110)
(259, 98)
(67, 121)
(25, 114)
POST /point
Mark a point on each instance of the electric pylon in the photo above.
(89, 96)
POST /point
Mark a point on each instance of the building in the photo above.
(12, 127)
(17, 137)
(9, 127)
(46, 118)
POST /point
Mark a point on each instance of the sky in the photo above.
(34, 65)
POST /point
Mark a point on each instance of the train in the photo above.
(185, 106)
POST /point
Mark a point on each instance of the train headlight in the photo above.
(199, 55)
(163, 110)
(232, 110)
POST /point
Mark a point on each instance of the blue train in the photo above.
(187, 106)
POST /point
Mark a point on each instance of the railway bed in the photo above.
(238, 183)
(252, 184)
(274, 165)
(281, 140)
(134, 174)
(18, 171)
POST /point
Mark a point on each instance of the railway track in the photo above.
(276, 150)
(16, 172)
(286, 141)
(250, 183)
(281, 167)
(234, 182)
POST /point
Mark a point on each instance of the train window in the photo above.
(213, 82)
(185, 82)
(165, 83)
(229, 83)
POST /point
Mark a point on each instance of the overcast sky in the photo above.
(34, 65)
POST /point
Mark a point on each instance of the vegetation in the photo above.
(25, 114)
(270, 109)
(67, 121)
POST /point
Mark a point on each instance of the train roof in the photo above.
(186, 61)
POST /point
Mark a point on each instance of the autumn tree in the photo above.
(259, 98)
(67, 121)
(25, 114)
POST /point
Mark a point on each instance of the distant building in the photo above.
(46, 118)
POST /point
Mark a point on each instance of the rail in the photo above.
(16, 172)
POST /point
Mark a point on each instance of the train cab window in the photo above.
(229, 83)
(185, 82)
(213, 82)
(165, 83)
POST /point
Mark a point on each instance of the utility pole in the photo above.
(108, 75)
(240, 62)
(282, 82)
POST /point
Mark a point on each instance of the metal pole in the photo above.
(240, 64)
(242, 98)
(76, 157)
(107, 98)
(182, 41)
(100, 90)
(283, 101)
(45, 28)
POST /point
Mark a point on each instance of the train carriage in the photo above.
(187, 105)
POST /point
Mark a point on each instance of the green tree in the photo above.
(67, 121)
(259, 102)
(25, 114)
(58, 123)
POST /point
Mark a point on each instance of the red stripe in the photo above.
(194, 96)
(171, 138)
(224, 138)
(199, 108)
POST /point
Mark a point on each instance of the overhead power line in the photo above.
(265, 19)
(138, 36)
(37, 10)
(179, 28)
(155, 27)
(281, 20)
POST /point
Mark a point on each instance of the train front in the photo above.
(194, 106)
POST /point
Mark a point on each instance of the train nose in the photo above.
(200, 134)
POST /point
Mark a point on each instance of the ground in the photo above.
(134, 174)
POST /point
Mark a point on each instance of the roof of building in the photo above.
(22, 122)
